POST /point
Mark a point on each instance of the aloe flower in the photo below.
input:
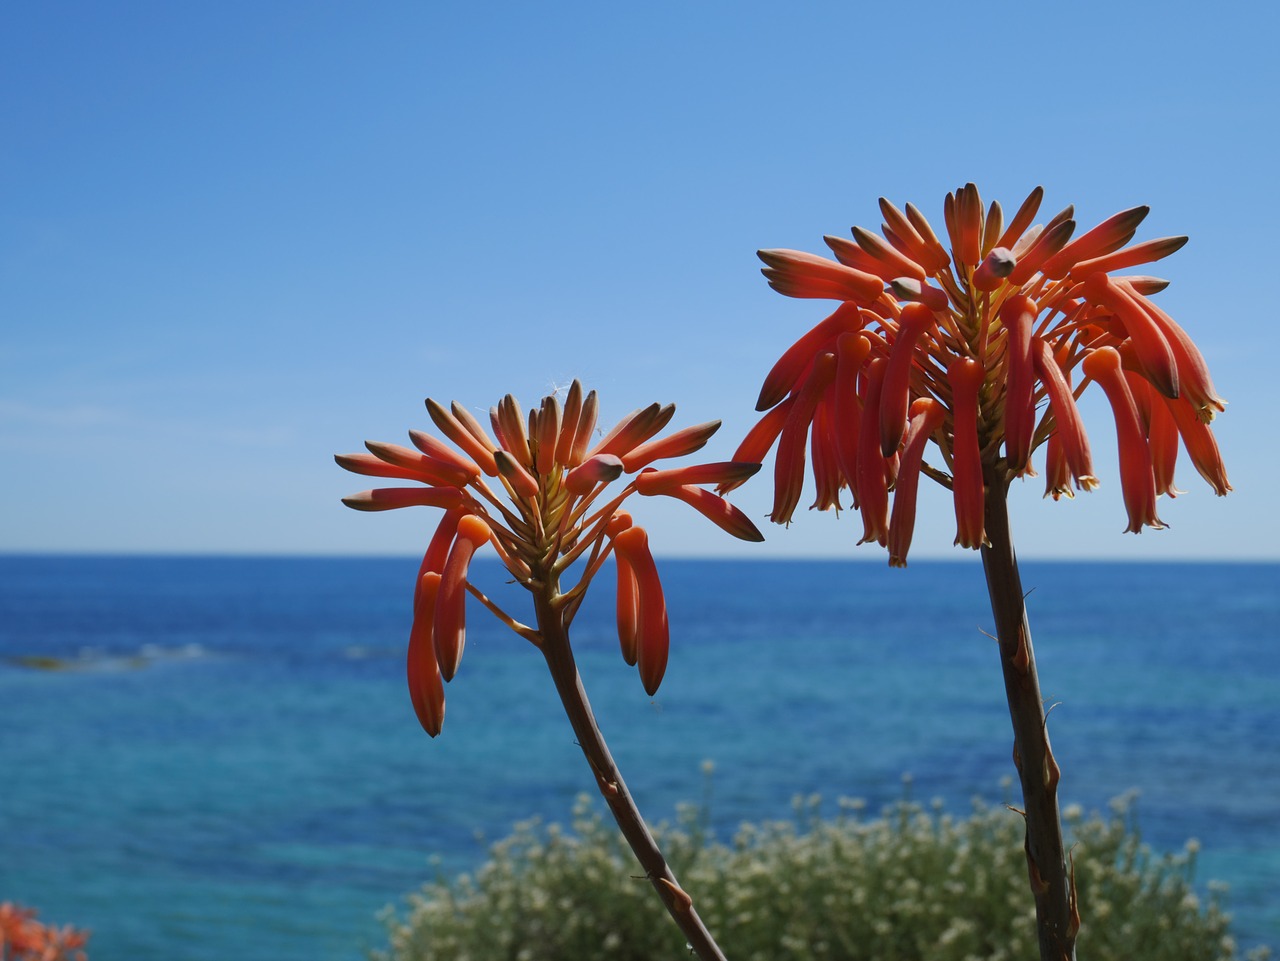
(994, 331)
(23, 938)
(976, 355)
(545, 493)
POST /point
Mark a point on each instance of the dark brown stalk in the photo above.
(564, 671)
(1052, 883)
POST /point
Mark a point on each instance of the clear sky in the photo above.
(237, 238)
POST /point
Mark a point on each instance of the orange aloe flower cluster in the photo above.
(539, 491)
(23, 938)
(975, 348)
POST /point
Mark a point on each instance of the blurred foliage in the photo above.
(914, 883)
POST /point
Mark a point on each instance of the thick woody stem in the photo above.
(1057, 918)
(564, 671)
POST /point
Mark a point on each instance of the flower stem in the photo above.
(1051, 883)
(564, 671)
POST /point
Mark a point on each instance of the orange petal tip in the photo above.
(474, 529)
(598, 469)
(619, 522)
(393, 498)
(994, 269)
(517, 475)
(908, 288)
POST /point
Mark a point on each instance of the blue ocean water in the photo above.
(229, 765)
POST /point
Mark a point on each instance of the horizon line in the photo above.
(858, 557)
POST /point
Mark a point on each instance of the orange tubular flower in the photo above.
(926, 417)
(426, 689)
(1160, 430)
(1137, 479)
(652, 635)
(895, 397)
(964, 376)
(1068, 457)
(851, 350)
(538, 491)
(449, 622)
(872, 478)
(1201, 446)
(1017, 314)
(992, 333)
(826, 456)
(628, 595)
(789, 464)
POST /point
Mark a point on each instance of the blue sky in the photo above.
(238, 238)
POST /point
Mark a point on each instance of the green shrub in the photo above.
(911, 884)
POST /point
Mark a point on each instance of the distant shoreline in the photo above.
(869, 558)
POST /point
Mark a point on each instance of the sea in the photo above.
(213, 757)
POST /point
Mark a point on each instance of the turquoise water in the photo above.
(230, 765)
